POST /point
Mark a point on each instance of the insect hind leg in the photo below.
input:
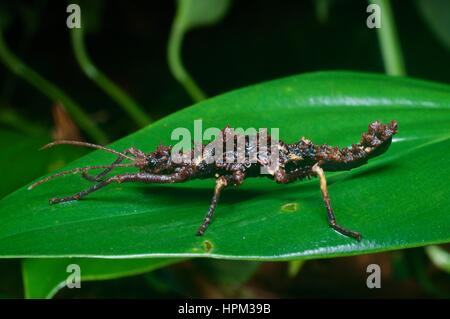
(122, 178)
(316, 169)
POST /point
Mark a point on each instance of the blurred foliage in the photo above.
(126, 102)
(440, 257)
(388, 39)
(436, 13)
(37, 285)
(22, 162)
(191, 14)
(53, 92)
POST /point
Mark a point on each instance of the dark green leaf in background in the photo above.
(21, 161)
(436, 14)
(43, 278)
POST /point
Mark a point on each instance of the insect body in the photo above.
(295, 161)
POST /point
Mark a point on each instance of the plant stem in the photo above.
(51, 91)
(118, 95)
(388, 39)
(176, 65)
(294, 267)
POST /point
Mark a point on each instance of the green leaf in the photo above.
(200, 13)
(398, 200)
(43, 278)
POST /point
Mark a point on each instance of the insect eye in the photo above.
(152, 162)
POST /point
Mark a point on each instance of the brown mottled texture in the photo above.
(242, 156)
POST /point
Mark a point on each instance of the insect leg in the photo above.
(122, 178)
(98, 177)
(223, 181)
(326, 198)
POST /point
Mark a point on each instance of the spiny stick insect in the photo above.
(295, 161)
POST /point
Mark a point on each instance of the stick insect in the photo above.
(296, 161)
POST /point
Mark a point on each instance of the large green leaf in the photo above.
(398, 200)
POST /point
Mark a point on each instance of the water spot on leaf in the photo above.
(207, 246)
(289, 208)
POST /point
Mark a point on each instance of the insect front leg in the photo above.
(122, 178)
(317, 170)
(120, 158)
(221, 182)
(98, 177)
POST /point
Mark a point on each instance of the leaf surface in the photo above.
(398, 200)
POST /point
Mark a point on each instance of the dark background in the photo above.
(255, 42)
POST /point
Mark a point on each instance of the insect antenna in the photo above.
(85, 144)
(76, 170)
